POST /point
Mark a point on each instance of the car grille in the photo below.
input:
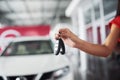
(44, 76)
(24, 77)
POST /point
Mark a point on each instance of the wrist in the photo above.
(75, 39)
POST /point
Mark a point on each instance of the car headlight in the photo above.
(61, 72)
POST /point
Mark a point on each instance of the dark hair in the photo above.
(118, 8)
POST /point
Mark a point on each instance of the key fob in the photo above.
(62, 46)
(59, 47)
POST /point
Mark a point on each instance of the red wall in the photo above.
(40, 30)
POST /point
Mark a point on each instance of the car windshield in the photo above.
(29, 48)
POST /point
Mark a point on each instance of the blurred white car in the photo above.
(32, 58)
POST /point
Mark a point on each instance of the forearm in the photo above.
(94, 49)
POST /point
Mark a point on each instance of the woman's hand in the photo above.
(67, 36)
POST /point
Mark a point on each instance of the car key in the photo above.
(59, 47)
(62, 46)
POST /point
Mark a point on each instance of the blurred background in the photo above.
(27, 29)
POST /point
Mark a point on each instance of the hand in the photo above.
(67, 36)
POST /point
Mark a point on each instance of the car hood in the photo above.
(33, 64)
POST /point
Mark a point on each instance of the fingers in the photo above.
(57, 36)
(63, 30)
(62, 33)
